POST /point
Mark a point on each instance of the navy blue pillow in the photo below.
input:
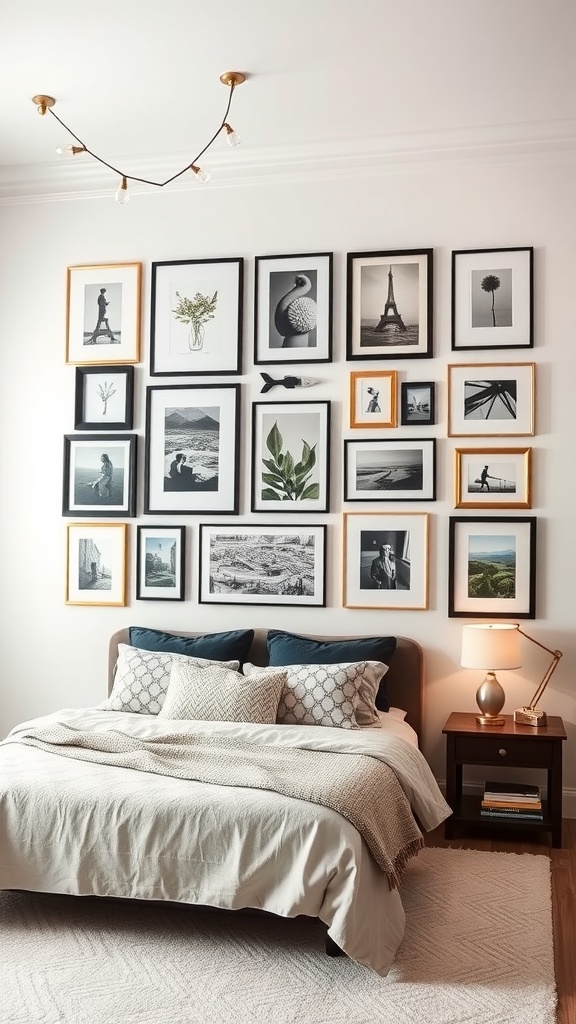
(232, 646)
(289, 649)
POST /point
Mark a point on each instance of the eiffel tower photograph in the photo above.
(390, 304)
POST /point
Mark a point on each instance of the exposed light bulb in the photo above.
(232, 137)
(201, 175)
(122, 195)
(70, 150)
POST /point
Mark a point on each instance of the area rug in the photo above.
(478, 950)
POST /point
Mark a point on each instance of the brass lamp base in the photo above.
(490, 720)
(530, 716)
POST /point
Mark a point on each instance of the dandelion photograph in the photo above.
(492, 567)
(196, 317)
(492, 298)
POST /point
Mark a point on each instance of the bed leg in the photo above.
(332, 949)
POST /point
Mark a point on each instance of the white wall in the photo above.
(54, 655)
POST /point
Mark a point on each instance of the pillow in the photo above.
(214, 693)
(232, 646)
(323, 694)
(290, 649)
(141, 680)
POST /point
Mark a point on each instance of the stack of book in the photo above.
(512, 800)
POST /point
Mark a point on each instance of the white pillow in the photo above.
(217, 694)
(141, 679)
(319, 684)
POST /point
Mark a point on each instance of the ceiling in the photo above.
(138, 80)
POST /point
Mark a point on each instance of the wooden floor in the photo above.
(563, 896)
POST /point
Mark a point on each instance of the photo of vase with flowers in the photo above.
(196, 317)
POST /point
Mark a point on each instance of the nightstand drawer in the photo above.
(493, 749)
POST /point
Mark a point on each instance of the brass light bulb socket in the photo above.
(232, 78)
(43, 102)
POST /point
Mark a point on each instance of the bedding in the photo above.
(217, 693)
(152, 836)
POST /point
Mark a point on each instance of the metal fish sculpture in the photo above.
(286, 382)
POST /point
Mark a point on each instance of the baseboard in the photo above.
(568, 796)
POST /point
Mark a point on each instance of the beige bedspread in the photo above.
(361, 788)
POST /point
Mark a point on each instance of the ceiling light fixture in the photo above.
(231, 79)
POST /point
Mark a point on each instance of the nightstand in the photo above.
(516, 746)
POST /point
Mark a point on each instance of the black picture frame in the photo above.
(417, 403)
(260, 564)
(208, 479)
(389, 299)
(215, 343)
(104, 398)
(478, 274)
(277, 280)
(290, 457)
(384, 469)
(99, 476)
(499, 555)
(160, 569)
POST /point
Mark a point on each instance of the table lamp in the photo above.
(494, 646)
(490, 647)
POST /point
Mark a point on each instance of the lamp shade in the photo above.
(490, 647)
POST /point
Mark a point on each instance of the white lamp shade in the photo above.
(490, 647)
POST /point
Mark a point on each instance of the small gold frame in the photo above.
(363, 394)
(86, 571)
(495, 483)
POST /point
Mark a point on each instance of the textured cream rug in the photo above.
(478, 950)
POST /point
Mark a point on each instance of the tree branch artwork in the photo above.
(195, 313)
(287, 479)
(105, 392)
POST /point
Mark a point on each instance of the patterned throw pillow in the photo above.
(323, 694)
(217, 694)
(142, 677)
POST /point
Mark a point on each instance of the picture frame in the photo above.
(491, 399)
(103, 303)
(373, 398)
(262, 564)
(390, 470)
(191, 454)
(389, 304)
(104, 398)
(290, 457)
(493, 298)
(196, 317)
(160, 563)
(505, 481)
(293, 308)
(417, 403)
(96, 564)
(99, 476)
(492, 567)
(385, 560)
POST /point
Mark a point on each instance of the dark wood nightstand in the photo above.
(516, 746)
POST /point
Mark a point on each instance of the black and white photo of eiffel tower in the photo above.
(390, 304)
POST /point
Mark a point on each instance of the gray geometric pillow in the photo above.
(142, 677)
(217, 694)
(325, 695)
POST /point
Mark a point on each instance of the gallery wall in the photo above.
(55, 655)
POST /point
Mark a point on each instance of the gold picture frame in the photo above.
(491, 399)
(96, 564)
(373, 399)
(493, 478)
(103, 314)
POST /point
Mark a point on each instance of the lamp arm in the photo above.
(556, 655)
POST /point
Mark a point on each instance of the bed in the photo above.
(249, 812)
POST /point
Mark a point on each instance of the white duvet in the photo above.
(69, 826)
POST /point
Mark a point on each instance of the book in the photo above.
(513, 815)
(511, 790)
(529, 805)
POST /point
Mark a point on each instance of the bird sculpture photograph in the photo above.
(296, 313)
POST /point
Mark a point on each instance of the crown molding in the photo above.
(83, 177)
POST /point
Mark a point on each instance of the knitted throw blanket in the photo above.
(357, 786)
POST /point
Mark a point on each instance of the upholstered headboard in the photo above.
(404, 680)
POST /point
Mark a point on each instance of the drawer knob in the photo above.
(502, 751)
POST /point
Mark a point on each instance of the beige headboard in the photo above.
(404, 681)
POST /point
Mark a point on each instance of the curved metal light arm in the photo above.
(556, 655)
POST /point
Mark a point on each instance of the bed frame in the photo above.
(404, 680)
